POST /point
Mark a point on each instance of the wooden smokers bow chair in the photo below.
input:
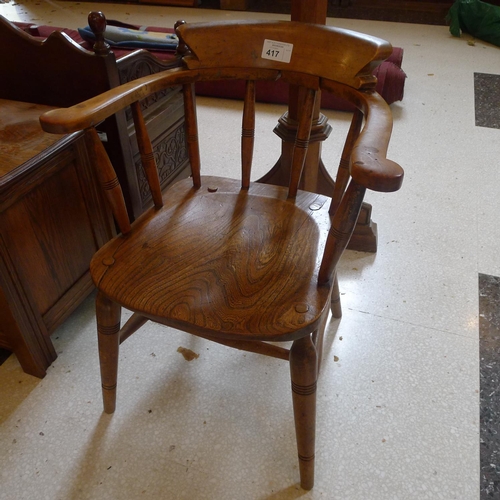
(238, 262)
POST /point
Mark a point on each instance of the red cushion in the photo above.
(390, 85)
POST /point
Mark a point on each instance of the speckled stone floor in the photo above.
(486, 99)
(400, 391)
(487, 95)
(489, 351)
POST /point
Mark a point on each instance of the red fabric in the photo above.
(396, 57)
(390, 85)
(391, 82)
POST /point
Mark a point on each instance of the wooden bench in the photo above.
(51, 224)
(48, 232)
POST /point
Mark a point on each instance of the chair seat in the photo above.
(241, 264)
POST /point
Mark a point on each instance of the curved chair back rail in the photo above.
(333, 53)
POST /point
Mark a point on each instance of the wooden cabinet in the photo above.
(234, 4)
(52, 220)
(59, 72)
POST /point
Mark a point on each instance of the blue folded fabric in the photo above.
(127, 38)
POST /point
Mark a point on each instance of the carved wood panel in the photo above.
(171, 157)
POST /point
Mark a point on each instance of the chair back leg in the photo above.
(304, 375)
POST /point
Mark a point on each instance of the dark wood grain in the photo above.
(52, 220)
(20, 135)
(277, 242)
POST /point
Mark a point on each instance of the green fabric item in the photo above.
(479, 19)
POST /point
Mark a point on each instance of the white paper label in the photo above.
(277, 51)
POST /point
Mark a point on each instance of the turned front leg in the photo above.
(304, 374)
(108, 327)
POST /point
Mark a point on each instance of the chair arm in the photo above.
(369, 165)
(93, 111)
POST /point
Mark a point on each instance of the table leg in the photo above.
(315, 177)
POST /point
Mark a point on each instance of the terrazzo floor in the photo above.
(399, 394)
